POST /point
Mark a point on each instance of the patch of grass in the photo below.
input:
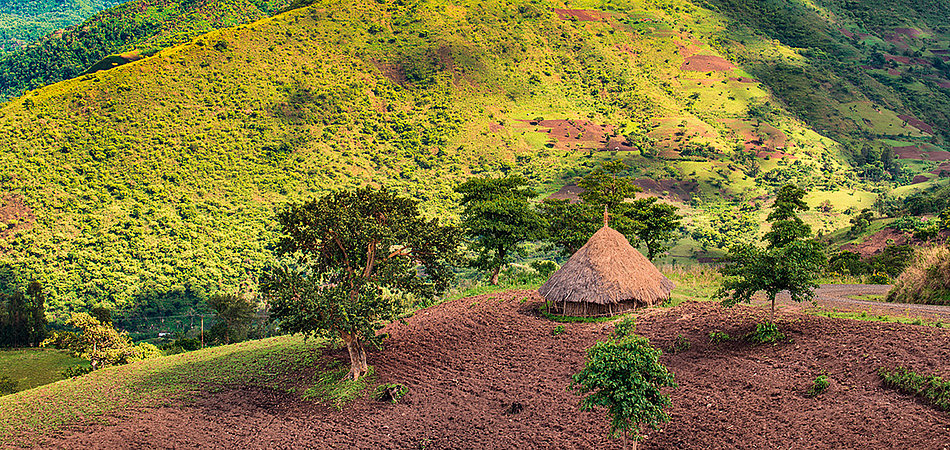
(868, 316)
(931, 388)
(558, 330)
(262, 363)
(390, 392)
(331, 387)
(680, 345)
(32, 367)
(696, 282)
(818, 386)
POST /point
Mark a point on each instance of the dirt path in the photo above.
(838, 297)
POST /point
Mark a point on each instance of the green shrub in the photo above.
(717, 336)
(818, 386)
(765, 333)
(931, 388)
(390, 392)
(7, 385)
(76, 371)
(557, 330)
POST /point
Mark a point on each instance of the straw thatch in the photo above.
(606, 276)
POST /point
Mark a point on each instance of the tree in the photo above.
(624, 375)
(861, 222)
(235, 312)
(790, 261)
(100, 343)
(645, 220)
(498, 219)
(37, 313)
(347, 259)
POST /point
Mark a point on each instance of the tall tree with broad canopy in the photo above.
(644, 220)
(498, 219)
(790, 260)
(348, 260)
(624, 375)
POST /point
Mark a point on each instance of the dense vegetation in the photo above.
(22, 22)
(150, 187)
(133, 29)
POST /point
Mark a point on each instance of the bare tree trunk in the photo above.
(357, 356)
(772, 313)
(494, 276)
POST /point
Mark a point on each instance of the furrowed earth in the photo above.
(489, 372)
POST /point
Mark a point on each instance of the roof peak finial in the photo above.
(605, 215)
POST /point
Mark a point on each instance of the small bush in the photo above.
(390, 392)
(77, 371)
(7, 385)
(624, 328)
(557, 330)
(931, 388)
(818, 386)
(717, 336)
(765, 333)
(680, 345)
(926, 280)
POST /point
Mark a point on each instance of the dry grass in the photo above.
(926, 280)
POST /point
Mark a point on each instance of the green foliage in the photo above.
(390, 392)
(349, 258)
(644, 220)
(716, 337)
(497, 220)
(624, 375)
(138, 26)
(236, 312)
(818, 386)
(680, 345)
(765, 333)
(100, 343)
(334, 386)
(558, 330)
(861, 222)
(789, 262)
(7, 385)
(926, 280)
(23, 317)
(930, 388)
(22, 23)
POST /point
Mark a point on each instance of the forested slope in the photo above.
(22, 21)
(152, 185)
(129, 31)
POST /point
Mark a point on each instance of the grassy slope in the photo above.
(35, 367)
(133, 28)
(22, 22)
(153, 183)
(269, 363)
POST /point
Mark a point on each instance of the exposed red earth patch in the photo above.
(846, 32)
(495, 127)
(917, 123)
(893, 72)
(578, 134)
(706, 63)
(14, 215)
(919, 179)
(942, 170)
(900, 59)
(764, 141)
(908, 152)
(912, 32)
(466, 362)
(940, 52)
(944, 84)
(667, 189)
(876, 242)
(585, 15)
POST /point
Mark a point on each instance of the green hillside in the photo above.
(22, 22)
(121, 34)
(153, 184)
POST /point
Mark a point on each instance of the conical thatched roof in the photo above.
(606, 270)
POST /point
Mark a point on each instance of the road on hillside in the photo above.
(839, 297)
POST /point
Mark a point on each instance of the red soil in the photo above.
(912, 32)
(467, 362)
(919, 179)
(706, 63)
(893, 72)
(846, 32)
(876, 242)
(767, 141)
(14, 215)
(900, 59)
(908, 152)
(680, 191)
(580, 134)
(917, 123)
(581, 14)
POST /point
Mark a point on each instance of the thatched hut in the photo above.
(607, 276)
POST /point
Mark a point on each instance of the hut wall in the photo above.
(587, 309)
